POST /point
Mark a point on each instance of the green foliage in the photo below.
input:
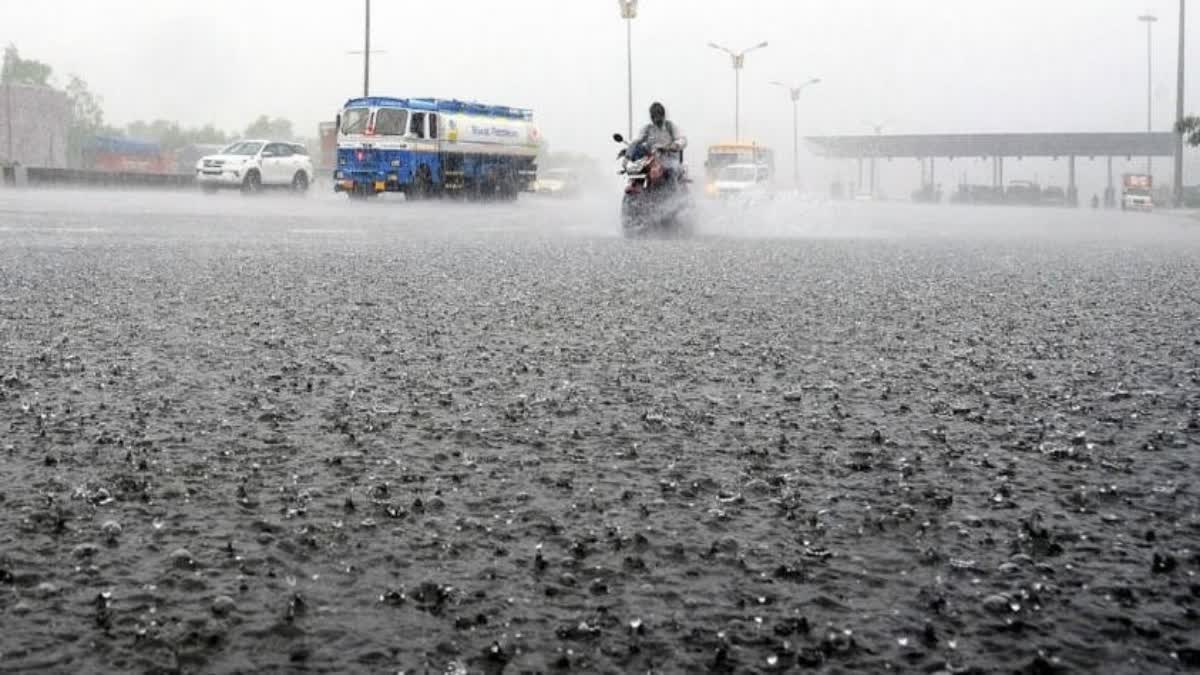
(1190, 128)
(171, 136)
(22, 71)
(274, 129)
(87, 109)
(87, 116)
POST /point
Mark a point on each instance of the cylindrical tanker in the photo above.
(476, 133)
(428, 147)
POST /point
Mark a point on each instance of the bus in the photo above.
(722, 155)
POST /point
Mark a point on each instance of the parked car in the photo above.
(254, 165)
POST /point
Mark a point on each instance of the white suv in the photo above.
(253, 165)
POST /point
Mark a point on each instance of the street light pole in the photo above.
(739, 60)
(629, 71)
(8, 157)
(629, 13)
(1149, 20)
(1179, 111)
(875, 158)
(737, 101)
(794, 93)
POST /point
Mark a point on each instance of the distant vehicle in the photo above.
(1022, 192)
(557, 182)
(125, 155)
(977, 194)
(253, 165)
(427, 147)
(928, 194)
(1136, 194)
(1053, 195)
(742, 180)
(722, 155)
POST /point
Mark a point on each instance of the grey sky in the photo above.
(926, 65)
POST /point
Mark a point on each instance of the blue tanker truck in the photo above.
(426, 147)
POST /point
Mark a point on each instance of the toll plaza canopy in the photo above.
(1138, 144)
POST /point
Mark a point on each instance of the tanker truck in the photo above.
(426, 147)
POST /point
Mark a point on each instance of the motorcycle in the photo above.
(657, 201)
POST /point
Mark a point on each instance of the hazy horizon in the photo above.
(924, 67)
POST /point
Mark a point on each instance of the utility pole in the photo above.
(367, 52)
(1149, 20)
(1179, 111)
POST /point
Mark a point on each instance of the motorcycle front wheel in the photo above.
(633, 221)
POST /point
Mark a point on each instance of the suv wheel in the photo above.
(300, 183)
(252, 183)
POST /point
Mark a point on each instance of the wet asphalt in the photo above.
(303, 435)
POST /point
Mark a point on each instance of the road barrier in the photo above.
(33, 176)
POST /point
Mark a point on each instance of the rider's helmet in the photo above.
(658, 114)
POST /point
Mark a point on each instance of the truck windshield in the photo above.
(391, 122)
(244, 148)
(354, 120)
(741, 174)
(716, 160)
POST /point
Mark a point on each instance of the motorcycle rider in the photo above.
(661, 134)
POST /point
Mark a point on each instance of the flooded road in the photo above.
(301, 434)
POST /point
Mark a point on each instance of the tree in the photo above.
(87, 109)
(170, 136)
(87, 116)
(1190, 127)
(265, 127)
(17, 70)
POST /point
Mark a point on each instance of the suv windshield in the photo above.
(244, 148)
(354, 120)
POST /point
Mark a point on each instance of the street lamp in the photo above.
(1149, 20)
(794, 92)
(629, 13)
(739, 60)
